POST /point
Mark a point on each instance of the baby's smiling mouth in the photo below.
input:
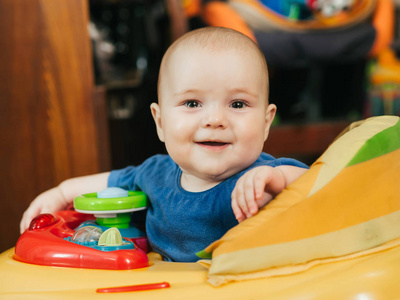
(213, 144)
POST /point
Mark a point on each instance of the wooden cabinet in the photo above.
(47, 113)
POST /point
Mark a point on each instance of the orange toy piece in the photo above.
(383, 22)
(221, 14)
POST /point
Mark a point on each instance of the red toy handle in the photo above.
(134, 288)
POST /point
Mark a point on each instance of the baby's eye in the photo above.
(191, 103)
(238, 104)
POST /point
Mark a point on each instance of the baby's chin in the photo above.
(199, 182)
(206, 179)
(210, 172)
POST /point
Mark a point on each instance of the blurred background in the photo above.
(77, 78)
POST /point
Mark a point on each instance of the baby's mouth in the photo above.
(213, 144)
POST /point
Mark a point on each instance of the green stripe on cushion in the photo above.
(382, 143)
(204, 255)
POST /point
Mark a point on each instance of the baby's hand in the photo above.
(48, 202)
(60, 197)
(255, 189)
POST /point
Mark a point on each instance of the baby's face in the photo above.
(214, 116)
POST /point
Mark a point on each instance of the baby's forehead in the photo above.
(211, 47)
(192, 52)
(214, 39)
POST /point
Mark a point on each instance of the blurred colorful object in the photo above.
(303, 9)
(281, 15)
(362, 30)
(384, 91)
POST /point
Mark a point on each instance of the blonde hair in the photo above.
(214, 39)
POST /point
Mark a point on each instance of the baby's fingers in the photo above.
(239, 204)
(237, 211)
(27, 217)
(243, 198)
(262, 178)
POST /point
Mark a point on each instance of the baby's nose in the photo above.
(215, 118)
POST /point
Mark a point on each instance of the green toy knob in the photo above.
(111, 237)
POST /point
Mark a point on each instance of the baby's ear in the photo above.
(156, 113)
(269, 118)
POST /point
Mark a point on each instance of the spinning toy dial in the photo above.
(112, 206)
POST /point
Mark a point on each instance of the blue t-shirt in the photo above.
(180, 223)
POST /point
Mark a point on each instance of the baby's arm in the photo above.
(259, 186)
(61, 196)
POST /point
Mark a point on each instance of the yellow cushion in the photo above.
(348, 203)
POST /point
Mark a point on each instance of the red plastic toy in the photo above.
(48, 242)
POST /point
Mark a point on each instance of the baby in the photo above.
(213, 116)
